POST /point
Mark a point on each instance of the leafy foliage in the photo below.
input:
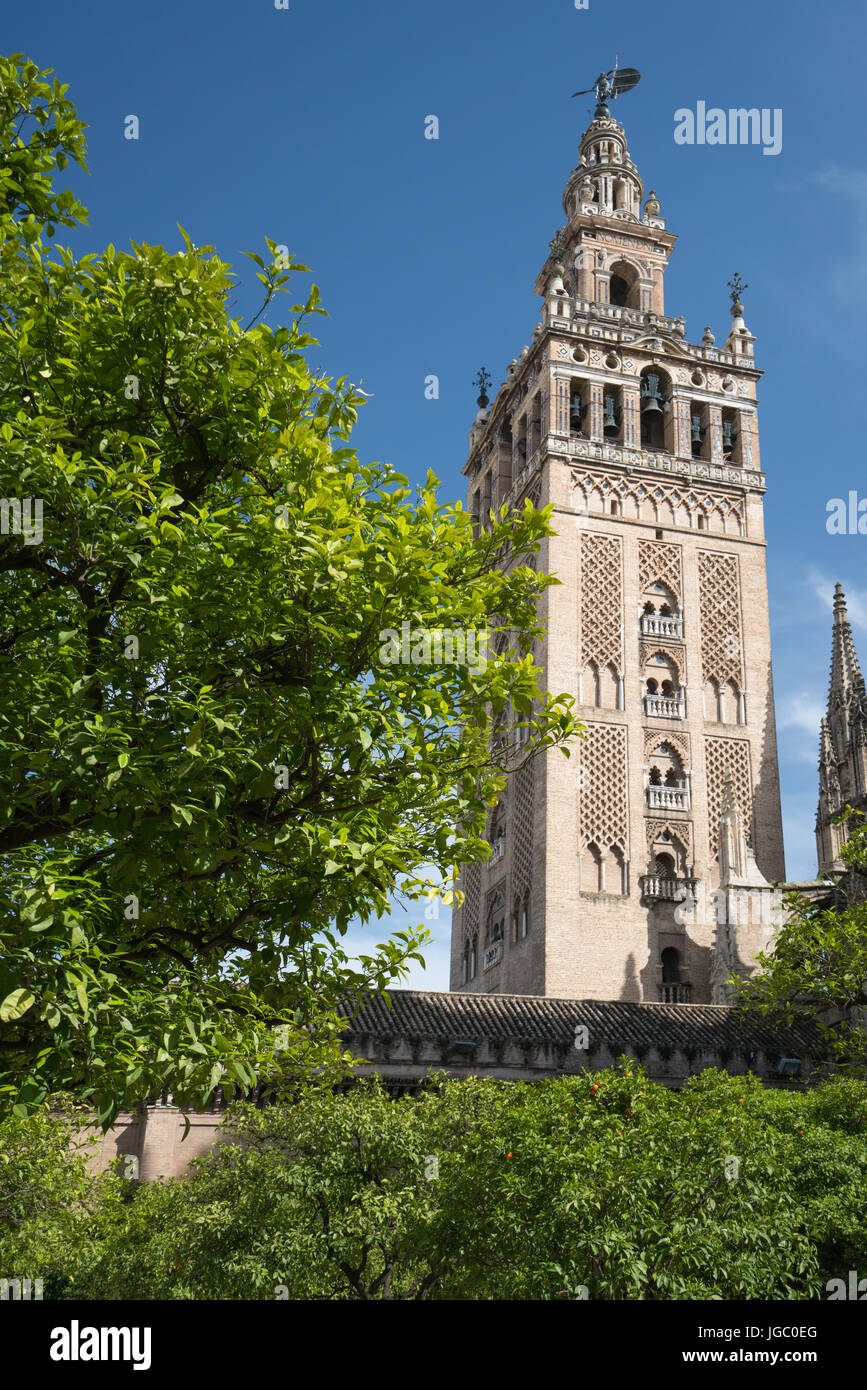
(207, 770)
(818, 964)
(52, 1204)
(602, 1185)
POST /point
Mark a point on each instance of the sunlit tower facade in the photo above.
(647, 447)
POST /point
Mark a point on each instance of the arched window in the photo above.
(525, 916)
(591, 870)
(591, 693)
(615, 880)
(495, 928)
(712, 701)
(608, 687)
(670, 966)
(474, 950)
(730, 703)
(665, 866)
(623, 288)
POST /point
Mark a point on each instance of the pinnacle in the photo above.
(845, 670)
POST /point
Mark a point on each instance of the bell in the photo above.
(697, 430)
(576, 414)
(652, 399)
(610, 420)
(730, 437)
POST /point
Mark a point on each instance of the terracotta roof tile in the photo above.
(539, 1019)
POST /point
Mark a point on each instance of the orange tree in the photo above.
(209, 763)
(604, 1186)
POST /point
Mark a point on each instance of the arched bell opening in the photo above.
(612, 412)
(731, 435)
(624, 289)
(579, 405)
(656, 413)
(699, 431)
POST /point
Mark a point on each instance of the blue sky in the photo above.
(307, 125)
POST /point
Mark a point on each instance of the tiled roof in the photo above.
(537, 1019)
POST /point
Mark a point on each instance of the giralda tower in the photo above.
(647, 446)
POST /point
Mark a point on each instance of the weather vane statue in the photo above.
(609, 85)
(482, 380)
(737, 287)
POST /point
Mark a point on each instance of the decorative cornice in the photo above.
(751, 480)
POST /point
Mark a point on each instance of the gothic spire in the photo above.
(845, 672)
(842, 741)
(827, 755)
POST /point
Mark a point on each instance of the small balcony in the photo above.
(668, 798)
(663, 888)
(674, 994)
(665, 706)
(661, 625)
(493, 955)
(498, 849)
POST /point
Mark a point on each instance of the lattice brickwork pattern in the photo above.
(659, 502)
(472, 900)
(649, 648)
(678, 741)
(602, 798)
(602, 601)
(522, 821)
(678, 830)
(720, 754)
(659, 563)
(719, 604)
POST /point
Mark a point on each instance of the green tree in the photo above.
(817, 967)
(604, 1185)
(54, 1209)
(209, 766)
(825, 1131)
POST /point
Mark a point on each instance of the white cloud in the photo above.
(803, 714)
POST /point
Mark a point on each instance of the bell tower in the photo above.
(646, 446)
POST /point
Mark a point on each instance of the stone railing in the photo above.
(617, 313)
(665, 706)
(660, 625)
(665, 889)
(668, 798)
(674, 994)
(498, 849)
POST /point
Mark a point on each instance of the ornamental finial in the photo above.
(482, 380)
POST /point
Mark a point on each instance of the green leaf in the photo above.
(16, 1004)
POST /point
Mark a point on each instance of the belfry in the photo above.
(646, 446)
